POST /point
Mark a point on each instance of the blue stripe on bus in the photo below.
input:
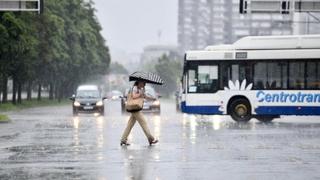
(288, 110)
(207, 110)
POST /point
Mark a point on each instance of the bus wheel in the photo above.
(265, 118)
(240, 110)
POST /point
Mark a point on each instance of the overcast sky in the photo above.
(129, 25)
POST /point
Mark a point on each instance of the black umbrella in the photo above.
(146, 77)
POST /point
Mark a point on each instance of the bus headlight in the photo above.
(99, 103)
(76, 103)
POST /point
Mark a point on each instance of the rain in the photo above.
(220, 100)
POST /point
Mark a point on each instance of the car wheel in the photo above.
(101, 112)
(123, 109)
(157, 110)
(240, 110)
(75, 112)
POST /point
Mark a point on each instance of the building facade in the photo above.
(193, 23)
(212, 22)
(305, 23)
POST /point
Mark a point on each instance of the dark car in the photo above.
(88, 99)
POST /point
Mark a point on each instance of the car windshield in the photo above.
(88, 94)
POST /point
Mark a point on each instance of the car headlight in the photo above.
(99, 103)
(156, 103)
(76, 103)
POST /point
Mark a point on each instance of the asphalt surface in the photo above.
(49, 143)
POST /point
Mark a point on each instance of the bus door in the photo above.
(235, 71)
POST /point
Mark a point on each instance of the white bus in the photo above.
(257, 76)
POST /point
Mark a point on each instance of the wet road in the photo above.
(49, 143)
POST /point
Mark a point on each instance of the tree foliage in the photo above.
(58, 49)
(117, 68)
(170, 70)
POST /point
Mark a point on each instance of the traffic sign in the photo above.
(22, 5)
(278, 6)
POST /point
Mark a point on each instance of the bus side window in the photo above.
(296, 75)
(270, 75)
(230, 72)
(259, 84)
(260, 75)
(313, 75)
(234, 72)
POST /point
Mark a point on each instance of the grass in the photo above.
(30, 104)
(4, 118)
(4, 107)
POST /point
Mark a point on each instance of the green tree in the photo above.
(58, 49)
(4, 36)
(170, 70)
(116, 68)
(14, 50)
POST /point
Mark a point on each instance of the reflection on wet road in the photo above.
(49, 143)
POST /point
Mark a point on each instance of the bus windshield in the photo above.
(202, 78)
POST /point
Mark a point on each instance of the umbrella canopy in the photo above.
(146, 77)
